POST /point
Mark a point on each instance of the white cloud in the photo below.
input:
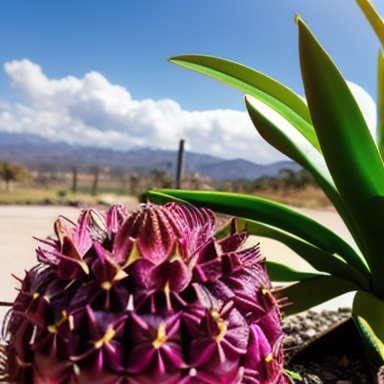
(92, 111)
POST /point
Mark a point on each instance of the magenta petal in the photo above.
(201, 351)
(81, 235)
(93, 327)
(155, 231)
(233, 241)
(159, 371)
(254, 358)
(114, 356)
(260, 358)
(237, 334)
(174, 353)
(210, 358)
(176, 274)
(209, 271)
(141, 357)
(197, 225)
(122, 249)
(115, 218)
(157, 246)
(270, 324)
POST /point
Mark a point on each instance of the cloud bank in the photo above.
(92, 111)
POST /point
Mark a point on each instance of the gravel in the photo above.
(325, 348)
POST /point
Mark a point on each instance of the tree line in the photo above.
(285, 179)
(134, 183)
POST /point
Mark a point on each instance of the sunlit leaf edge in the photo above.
(373, 18)
(368, 311)
(380, 104)
(374, 346)
(266, 89)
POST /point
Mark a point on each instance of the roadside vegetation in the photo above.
(11, 172)
(104, 186)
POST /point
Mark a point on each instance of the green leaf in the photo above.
(368, 313)
(265, 211)
(348, 148)
(282, 273)
(317, 258)
(373, 17)
(293, 375)
(225, 230)
(370, 308)
(277, 96)
(374, 346)
(293, 144)
(288, 140)
(311, 292)
(380, 104)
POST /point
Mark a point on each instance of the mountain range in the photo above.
(37, 153)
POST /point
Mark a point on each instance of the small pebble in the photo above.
(344, 362)
(311, 333)
(328, 375)
(289, 341)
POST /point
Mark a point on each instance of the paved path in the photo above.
(19, 223)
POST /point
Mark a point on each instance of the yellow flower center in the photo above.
(221, 325)
(107, 285)
(108, 336)
(64, 317)
(269, 358)
(161, 337)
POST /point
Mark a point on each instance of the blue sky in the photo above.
(95, 72)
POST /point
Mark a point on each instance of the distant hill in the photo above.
(35, 152)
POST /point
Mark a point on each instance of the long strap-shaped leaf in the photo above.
(373, 17)
(369, 315)
(287, 139)
(311, 292)
(351, 155)
(293, 144)
(282, 273)
(317, 258)
(265, 211)
(380, 104)
(277, 96)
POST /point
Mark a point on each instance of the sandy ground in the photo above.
(19, 224)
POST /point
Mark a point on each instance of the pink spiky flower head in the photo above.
(145, 297)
